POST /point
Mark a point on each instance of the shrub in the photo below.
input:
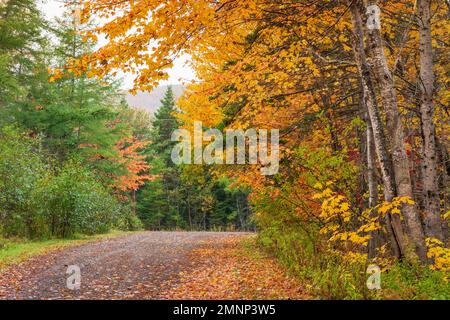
(21, 167)
(73, 201)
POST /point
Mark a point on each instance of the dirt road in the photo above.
(136, 266)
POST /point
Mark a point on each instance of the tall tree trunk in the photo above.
(393, 223)
(133, 202)
(375, 239)
(371, 168)
(432, 218)
(444, 161)
(394, 126)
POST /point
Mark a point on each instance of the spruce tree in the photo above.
(164, 124)
(158, 201)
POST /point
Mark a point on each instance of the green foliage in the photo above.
(164, 124)
(187, 196)
(21, 37)
(231, 210)
(406, 281)
(74, 113)
(39, 200)
(8, 84)
(159, 201)
(21, 167)
(73, 201)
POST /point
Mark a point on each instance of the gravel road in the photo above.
(136, 266)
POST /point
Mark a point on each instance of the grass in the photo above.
(13, 251)
(332, 277)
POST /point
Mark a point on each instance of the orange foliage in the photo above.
(134, 163)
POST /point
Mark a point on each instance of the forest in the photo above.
(358, 89)
(76, 159)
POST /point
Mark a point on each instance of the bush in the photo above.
(331, 276)
(129, 221)
(39, 201)
(21, 167)
(72, 201)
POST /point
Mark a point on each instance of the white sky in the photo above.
(178, 74)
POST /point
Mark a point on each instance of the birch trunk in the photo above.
(394, 126)
(375, 239)
(431, 219)
(393, 223)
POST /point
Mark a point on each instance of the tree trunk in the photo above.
(394, 126)
(375, 239)
(444, 162)
(371, 169)
(432, 218)
(189, 213)
(393, 223)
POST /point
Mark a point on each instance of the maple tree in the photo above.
(134, 163)
(303, 67)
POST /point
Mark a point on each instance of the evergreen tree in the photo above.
(75, 114)
(164, 124)
(158, 201)
(21, 41)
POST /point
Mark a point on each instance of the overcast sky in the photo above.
(178, 74)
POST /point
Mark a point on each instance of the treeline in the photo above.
(186, 197)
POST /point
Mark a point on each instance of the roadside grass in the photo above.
(13, 251)
(331, 277)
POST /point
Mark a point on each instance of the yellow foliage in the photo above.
(337, 215)
(439, 254)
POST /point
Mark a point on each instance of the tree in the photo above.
(159, 201)
(75, 114)
(268, 64)
(375, 124)
(134, 163)
(21, 45)
(395, 130)
(432, 216)
(164, 124)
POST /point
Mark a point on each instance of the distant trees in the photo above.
(185, 196)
